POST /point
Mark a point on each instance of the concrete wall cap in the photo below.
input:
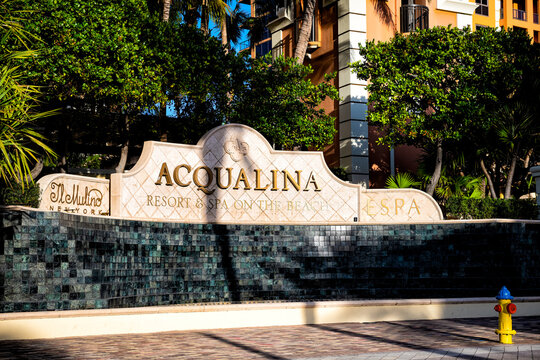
(251, 306)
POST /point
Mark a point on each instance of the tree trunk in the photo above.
(224, 36)
(166, 10)
(38, 167)
(511, 171)
(488, 177)
(498, 178)
(205, 17)
(34, 173)
(528, 158)
(190, 18)
(162, 117)
(437, 172)
(125, 147)
(305, 31)
(62, 164)
(63, 146)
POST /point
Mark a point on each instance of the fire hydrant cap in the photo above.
(504, 294)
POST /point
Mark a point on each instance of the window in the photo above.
(263, 48)
(266, 34)
(314, 34)
(482, 8)
(413, 17)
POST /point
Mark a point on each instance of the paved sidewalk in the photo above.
(491, 352)
(403, 340)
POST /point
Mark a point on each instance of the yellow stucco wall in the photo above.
(379, 29)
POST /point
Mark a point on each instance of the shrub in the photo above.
(18, 195)
(339, 172)
(462, 208)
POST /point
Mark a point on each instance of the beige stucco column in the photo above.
(353, 125)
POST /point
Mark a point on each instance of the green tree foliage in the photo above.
(117, 60)
(422, 89)
(20, 144)
(507, 146)
(442, 89)
(280, 102)
(96, 57)
(197, 76)
(112, 66)
(96, 52)
(466, 186)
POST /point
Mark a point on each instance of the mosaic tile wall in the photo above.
(58, 261)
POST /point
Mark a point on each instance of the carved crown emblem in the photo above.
(236, 148)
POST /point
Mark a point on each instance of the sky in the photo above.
(216, 29)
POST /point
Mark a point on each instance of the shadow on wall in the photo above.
(404, 263)
(84, 263)
(340, 265)
(232, 292)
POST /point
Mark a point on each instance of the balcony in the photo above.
(414, 17)
(520, 15)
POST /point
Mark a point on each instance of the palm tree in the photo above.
(232, 26)
(166, 10)
(515, 129)
(20, 144)
(190, 12)
(212, 9)
(402, 181)
(305, 31)
(381, 8)
(384, 12)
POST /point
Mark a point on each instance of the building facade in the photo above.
(339, 26)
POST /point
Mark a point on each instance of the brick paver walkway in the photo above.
(404, 340)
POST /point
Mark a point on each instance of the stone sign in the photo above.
(398, 205)
(74, 194)
(234, 176)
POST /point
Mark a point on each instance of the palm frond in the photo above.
(402, 181)
(20, 143)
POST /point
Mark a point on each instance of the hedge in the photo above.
(461, 208)
(17, 195)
